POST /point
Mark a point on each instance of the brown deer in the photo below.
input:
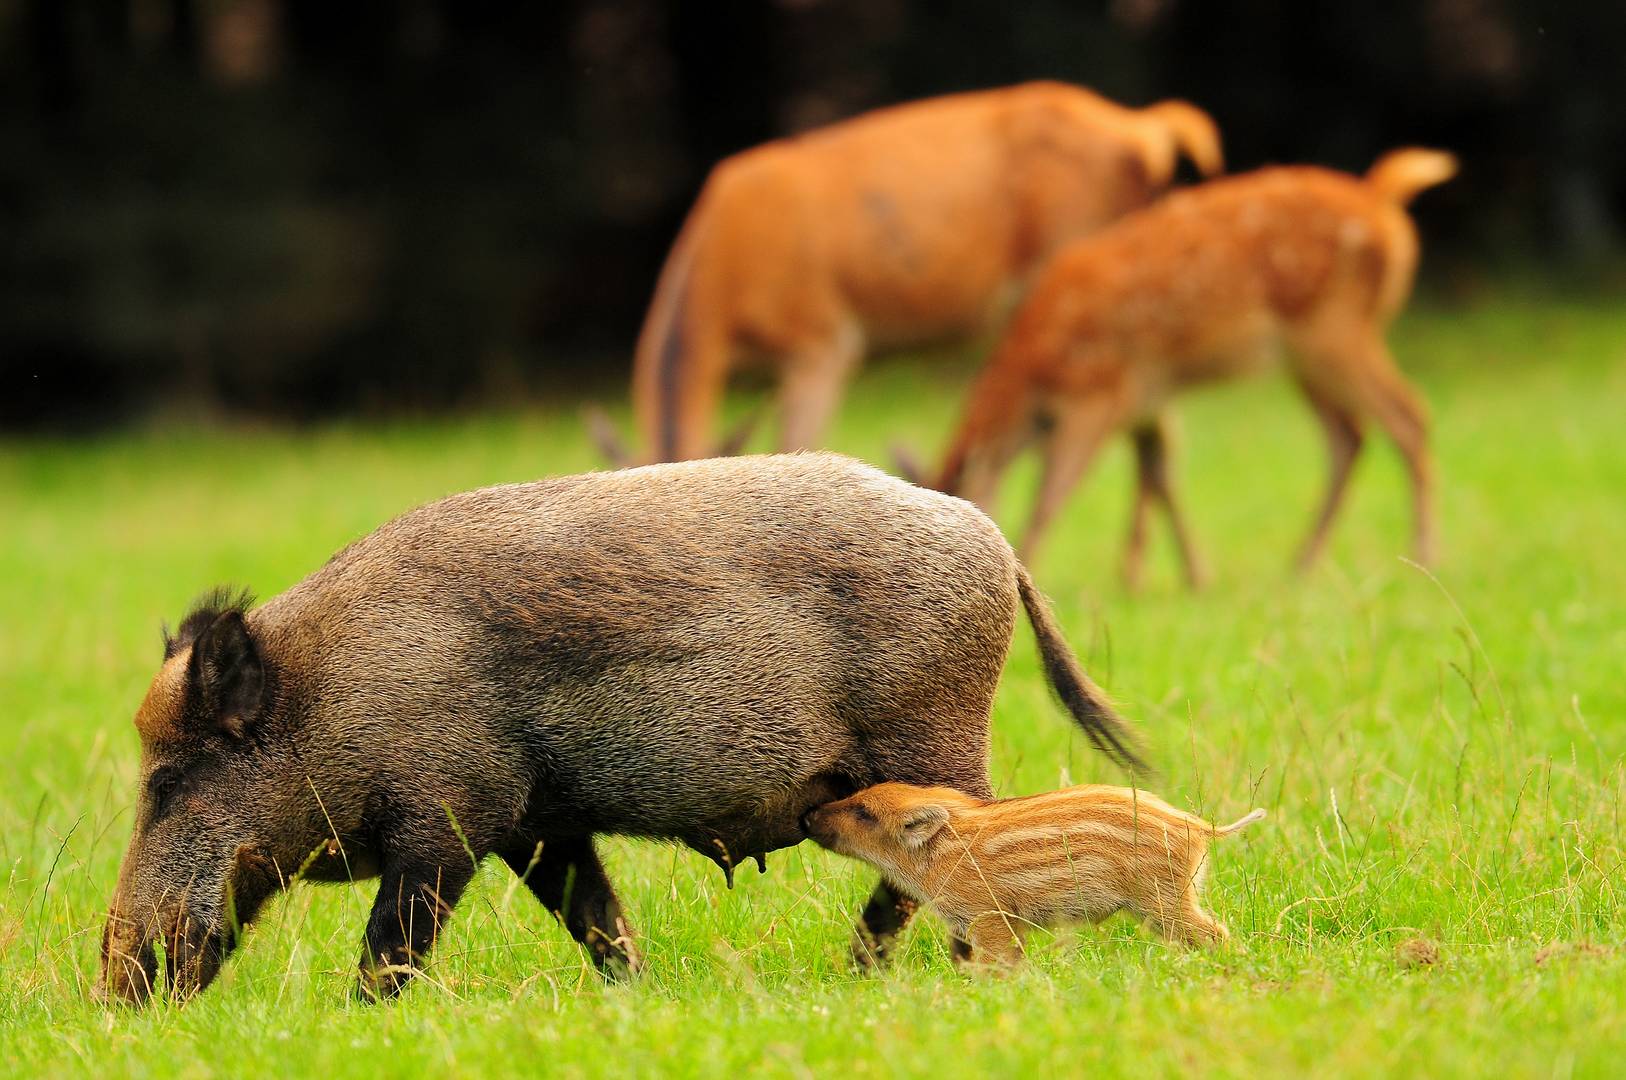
(1211, 283)
(905, 225)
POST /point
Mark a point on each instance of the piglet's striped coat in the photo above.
(994, 869)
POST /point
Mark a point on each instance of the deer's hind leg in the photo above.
(1347, 371)
(1399, 408)
(1152, 484)
(1343, 430)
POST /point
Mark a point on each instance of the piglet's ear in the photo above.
(227, 674)
(923, 823)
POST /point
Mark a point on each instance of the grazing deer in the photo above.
(901, 226)
(1210, 283)
(995, 867)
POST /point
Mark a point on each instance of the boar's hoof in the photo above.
(869, 953)
(616, 958)
(380, 982)
(884, 918)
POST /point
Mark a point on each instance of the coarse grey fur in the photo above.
(697, 652)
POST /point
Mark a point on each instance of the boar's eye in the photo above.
(863, 815)
(161, 790)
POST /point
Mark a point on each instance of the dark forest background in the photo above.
(298, 207)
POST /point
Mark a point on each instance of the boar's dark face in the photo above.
(199, 863)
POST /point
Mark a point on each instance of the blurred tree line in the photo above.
(298, 206)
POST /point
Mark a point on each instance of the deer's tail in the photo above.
(1180, 128)
(1400, 174)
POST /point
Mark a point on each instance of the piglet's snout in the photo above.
(816, 825)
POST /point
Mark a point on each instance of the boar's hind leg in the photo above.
(416, 893)
(567, 877)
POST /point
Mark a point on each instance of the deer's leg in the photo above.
(1347, 371)
(1343, 430)
(1139, 515)
(1079, 430)
(1399, 409)
(985, 465)
(677, 394)
(1153, 485)
(811, 386)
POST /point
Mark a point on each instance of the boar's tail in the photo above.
(1086, 701)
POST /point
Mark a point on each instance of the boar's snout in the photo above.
(129, 962)
(192, 955)
(193, 950)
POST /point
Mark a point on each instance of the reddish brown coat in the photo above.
(1211, 283)
(903, 225)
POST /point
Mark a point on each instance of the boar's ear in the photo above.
(922, 823)
(227, 674)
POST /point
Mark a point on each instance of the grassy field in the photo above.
(1442, 758)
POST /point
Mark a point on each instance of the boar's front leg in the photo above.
(885, 915)
(418, 887)
(569, 880)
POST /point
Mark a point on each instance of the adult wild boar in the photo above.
(697, 652)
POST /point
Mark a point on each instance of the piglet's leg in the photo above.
(996, 942)
(417, 890)
(1185, 921)
(1201, 928)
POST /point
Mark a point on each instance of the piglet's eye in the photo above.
(863, 815)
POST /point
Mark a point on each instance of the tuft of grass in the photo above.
(1438, 888)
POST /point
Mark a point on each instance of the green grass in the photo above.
(1442, 759)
